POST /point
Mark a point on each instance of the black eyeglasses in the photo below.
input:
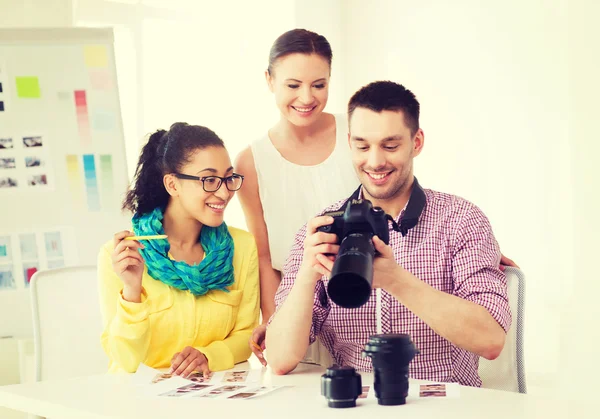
(213, 183)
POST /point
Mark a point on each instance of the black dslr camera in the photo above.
(352, 273)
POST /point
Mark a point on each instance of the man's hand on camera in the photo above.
(319, 249)
(386, 270)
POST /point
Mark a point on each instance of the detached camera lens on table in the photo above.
(341, 386)
(391, 355)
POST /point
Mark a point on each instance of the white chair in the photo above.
(67, 323)
(507, 372)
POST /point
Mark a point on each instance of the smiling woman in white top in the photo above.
(299, 166)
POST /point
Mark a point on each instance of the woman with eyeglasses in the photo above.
(187, 302)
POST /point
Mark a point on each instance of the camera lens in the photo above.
(341, 386)
(352, 272)
(391, 355)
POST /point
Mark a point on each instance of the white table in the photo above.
(115, 396)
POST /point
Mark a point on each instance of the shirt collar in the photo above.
(410, 214)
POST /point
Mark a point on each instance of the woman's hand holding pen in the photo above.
(257, 343)
(128, 264)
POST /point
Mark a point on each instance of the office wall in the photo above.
(36, 13)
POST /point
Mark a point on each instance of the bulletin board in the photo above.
(63, 169)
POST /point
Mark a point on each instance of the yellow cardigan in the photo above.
(218, 324)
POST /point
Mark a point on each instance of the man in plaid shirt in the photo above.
(440, 283)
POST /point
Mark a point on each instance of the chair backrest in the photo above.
(67, 323)
(507, 372)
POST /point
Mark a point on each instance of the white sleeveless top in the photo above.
(292, 194)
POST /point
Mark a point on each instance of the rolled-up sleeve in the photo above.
(475, 266)
(290, 271)
(126, 336)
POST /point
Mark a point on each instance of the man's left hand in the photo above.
(386, 270)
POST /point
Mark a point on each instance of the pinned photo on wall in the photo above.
(91, 182)
(62, 95)
(1, 89)
(1, 106)
(28, 87)
(33, 161)
(28, 243)
(5, 249)
(83, 118)
(58, 263)
(103, 120)
(107, 192)
(28, 270)
(32, 141)
(7, 163)
(101, 79)
(75, 181)
(37, 180)
(7, 182)
(95, 56)
(6, 143)
(53, 244)
(7, 279)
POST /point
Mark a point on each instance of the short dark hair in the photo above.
(165, 152)
(387, 96)
(299, 41)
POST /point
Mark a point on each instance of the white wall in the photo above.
(580, 334)
(36, 13)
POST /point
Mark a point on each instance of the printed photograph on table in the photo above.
(220, 391)
(182, 391)
(7, 163)
(28, 270)
(32, 141)
(242, 396)
(198, 377)
(7, 280)
(8, 182)
(6, 143)
(250, 392)
(432, 390)
(33, 161)
(365, 392)
(28, 244)
(161, 377)
(5, 249)
(53, 244)
(235, 376)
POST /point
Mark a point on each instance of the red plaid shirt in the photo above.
(453, 249)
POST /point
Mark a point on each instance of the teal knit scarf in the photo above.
(215, 272)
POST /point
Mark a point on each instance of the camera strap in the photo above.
(414, 208)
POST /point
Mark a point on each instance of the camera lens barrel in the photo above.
(341, 386)
(352, 272)
(391, 354)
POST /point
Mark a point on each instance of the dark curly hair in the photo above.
(165, 152)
